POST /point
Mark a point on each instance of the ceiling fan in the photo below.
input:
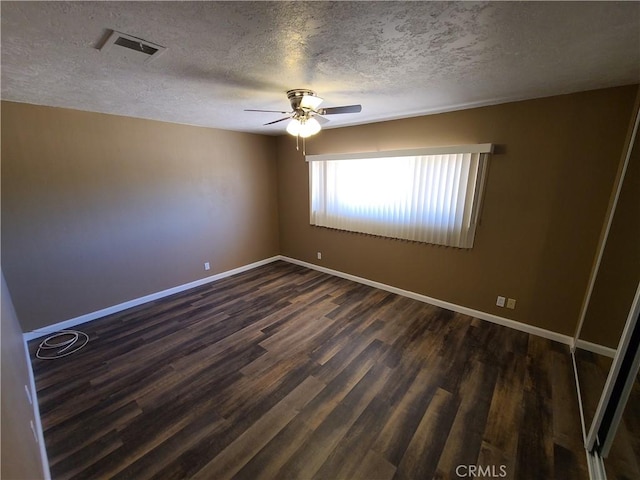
(306, 115)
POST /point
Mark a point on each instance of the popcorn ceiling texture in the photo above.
(397, 59)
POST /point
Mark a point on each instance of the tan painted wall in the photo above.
(619, 272)
(117, 208)
(100, 209)
(20, 452)
(547, 193)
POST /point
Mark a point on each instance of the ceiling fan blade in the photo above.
(321, 120)
(345, 109)
(267, 111)
(276, 121)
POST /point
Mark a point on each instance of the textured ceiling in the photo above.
(397, 59)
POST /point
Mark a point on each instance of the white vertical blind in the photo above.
(424, 198)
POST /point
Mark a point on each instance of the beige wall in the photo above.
(100, 209)
(20, 452)
(619, 272)
(547, 192)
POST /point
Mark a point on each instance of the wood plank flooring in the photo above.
(283, 372)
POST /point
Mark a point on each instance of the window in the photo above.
(426, 195)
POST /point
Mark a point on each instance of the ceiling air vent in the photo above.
(128, 46)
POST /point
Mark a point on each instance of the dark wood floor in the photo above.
(285, 372)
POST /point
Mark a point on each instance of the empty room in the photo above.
(320, 240)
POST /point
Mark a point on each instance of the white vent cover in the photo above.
(130, 47)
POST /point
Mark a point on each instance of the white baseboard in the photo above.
(523, 327)
(489, 317)
(40, 332)
(595, 348)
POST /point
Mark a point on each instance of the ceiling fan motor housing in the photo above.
(295, 98)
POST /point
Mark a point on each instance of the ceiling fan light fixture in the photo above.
(293, 128)
(303, 127)
(309, 127)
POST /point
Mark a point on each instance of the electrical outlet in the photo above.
(500, 301)
(319, 255)
(511, 303)
(207, 266)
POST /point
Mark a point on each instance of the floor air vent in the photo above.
(128, 46)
